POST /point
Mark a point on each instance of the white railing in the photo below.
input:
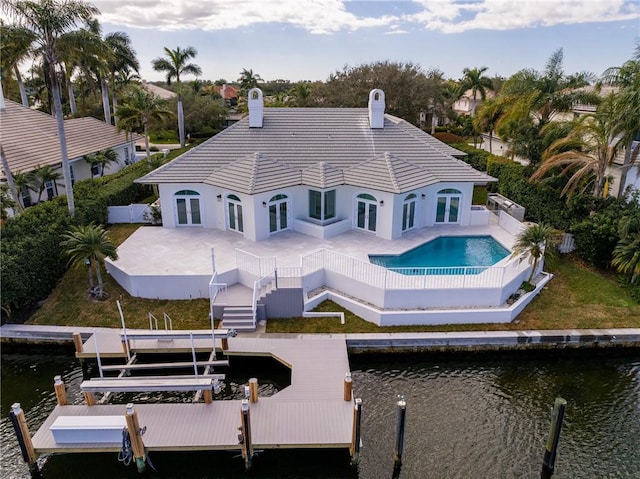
(259, 266)
(258, 286)
(568, 243)
(288, 277)
(214, 289)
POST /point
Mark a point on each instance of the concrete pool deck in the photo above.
(154, 251)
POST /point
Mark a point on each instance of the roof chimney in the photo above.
(256, 108)
(376, 108)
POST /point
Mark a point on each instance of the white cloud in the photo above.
(315, 16)
(331, 16)
(455, 16)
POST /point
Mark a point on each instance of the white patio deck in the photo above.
(153, 251)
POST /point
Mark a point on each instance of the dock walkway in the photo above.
(310, 413)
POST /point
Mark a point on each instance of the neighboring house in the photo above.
(160, 92)
(229, 94)
(319, 171)
(464, 105)
(30, 139)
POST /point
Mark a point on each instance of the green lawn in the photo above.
(576, 298)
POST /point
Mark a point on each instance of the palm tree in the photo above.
(474, 80)
(174, 66)
(138, 108)
(90, 243)
(585, 153)
(627, 78)
(23, 185)
(301, 93)
(120, 63)
(48, 20)
(101, 159)
(248, 80)
(626, 254)
(11, 183)
(14, 49)
(531, 99)
(6, 201)
(487, 118)
(41, 176)
(537, 242)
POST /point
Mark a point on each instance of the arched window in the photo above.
(449, 191)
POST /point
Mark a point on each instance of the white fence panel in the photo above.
(135, 213)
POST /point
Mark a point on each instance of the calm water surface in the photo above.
(466, 419)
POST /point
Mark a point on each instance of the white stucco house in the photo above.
(30, 140)
(292, 201)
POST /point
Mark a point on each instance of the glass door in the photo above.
(278, 220)
(366, 213)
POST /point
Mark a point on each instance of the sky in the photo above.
(310, 39)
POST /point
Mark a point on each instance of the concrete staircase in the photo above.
(239, 318)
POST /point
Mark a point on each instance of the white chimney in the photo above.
(256, 108)
(376, 108)
(223, 91)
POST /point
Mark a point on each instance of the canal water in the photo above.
(484, 417)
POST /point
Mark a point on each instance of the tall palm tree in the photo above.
(585, 153)
(121, 62)
(137, 109)
(48, 20)
(473, 79)
(14, 49)
(41, 176)
(174, 66)
(537, 242)
(91, 243)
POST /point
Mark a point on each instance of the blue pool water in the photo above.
(452, 252)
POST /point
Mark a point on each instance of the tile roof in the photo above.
(322, 175)
(302, 138)
(30, 137)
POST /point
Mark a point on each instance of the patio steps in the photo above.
(239, 318)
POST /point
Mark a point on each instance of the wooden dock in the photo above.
(310, 413)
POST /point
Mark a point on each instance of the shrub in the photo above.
(447, 137)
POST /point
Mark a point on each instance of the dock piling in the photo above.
(401, 417)
(225, 344)
(253, 390)
(77, 343)
(135, 436)
(247, 443)
(348, 386)
(354, 449)
(89, 398)
(549, 460)
(21, 429)
(61, 391)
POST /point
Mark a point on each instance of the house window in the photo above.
(448, 205)
(278, 211)
(73, 178)
(187, 208)
(96, 169)
(52, 189)
(26, 196)
(409, 212)
(235, 219)
(322, 204)
(366, 212)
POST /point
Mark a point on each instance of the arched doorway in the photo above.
(278, 210)
(448, 205)
(235, 219)
(187, 208)
(366, 212)
(409, 212)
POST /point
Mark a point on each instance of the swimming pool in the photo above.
(447, 254)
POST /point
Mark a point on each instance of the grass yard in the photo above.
(68, 304)
(576, 298)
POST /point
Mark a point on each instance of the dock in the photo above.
(310, 413)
